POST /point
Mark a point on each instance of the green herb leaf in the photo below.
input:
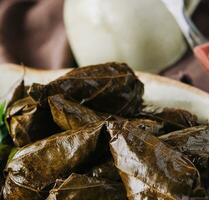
(3, 128)
(2, 112)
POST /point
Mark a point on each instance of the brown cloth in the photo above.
(32, 33)
(188, 69)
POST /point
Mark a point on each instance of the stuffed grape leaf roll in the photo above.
(140, 155)
(38, 165)
(108, 88)
(193, 142)
(28, 122)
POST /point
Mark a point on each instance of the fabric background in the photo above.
(32, 33)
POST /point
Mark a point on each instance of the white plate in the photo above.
(160, 91)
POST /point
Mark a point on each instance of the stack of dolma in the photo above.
(88, 135)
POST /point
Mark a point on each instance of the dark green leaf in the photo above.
(2, 112)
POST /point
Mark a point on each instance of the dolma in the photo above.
(37, 166)
(140, 155)
(70, 115)
(108, 88)
(194, 142)
(28, 122)
(82, 187)
(173, 119)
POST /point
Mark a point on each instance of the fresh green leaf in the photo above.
(2, 112)
(3, 128)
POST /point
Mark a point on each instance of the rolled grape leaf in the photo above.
(172, 119)
(107, 88)
(70, 115)
(194, 142)
(37, 166)
(82, 187)
(141, 155)
(28, 122)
